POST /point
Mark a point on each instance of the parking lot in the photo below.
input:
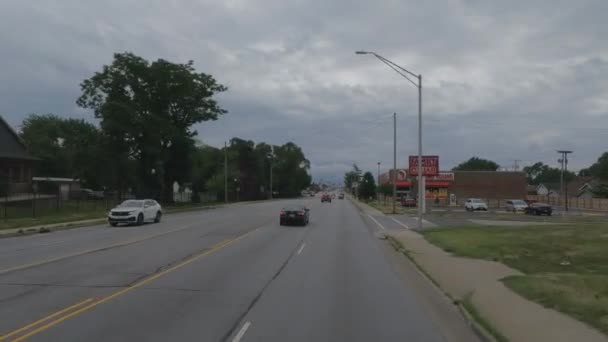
(495, 216)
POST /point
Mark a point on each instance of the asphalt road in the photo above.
(228, 274)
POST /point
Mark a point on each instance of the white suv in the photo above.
(135, 212)
(475, 204)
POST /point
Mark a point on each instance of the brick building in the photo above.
(489, 184)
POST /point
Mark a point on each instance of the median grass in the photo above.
(565, 266)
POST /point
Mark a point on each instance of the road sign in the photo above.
(430, 166)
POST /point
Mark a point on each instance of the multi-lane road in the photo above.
(227, 274)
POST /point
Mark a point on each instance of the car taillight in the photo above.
(300, 213)
(283, 213)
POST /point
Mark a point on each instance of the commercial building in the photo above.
(459, 185)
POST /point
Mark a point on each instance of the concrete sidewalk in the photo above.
(517, 318)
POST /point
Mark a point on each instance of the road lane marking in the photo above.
(378, 223)
(44, 319)
(93, 250)
(241, 332)
(400, 223)
(301, 248)
(142, 282)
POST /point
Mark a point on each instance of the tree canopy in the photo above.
(477, 164)
(352, 177)
(146, 110)
(367, 187)
(599, 169)
(67, 148)
(541, 173)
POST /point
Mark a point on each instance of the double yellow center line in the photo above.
(40, 325)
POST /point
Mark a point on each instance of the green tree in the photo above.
(147, 110)
(352, 177)
(67, 148)
(291, 170)
(541, 173)
(367, 186)
(599, 169)
(477, 164)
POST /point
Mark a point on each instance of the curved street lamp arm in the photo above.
(394, 67)
(394, 64)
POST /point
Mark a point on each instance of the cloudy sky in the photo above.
(503, 80)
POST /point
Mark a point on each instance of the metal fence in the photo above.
(49, 202)
(574, 202)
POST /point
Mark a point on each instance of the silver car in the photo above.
(516, 205)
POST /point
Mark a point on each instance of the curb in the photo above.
(481, 332)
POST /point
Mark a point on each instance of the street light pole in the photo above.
(421, 186)
(225, 173)
(378, 183)
(407, 74)
(394, 162)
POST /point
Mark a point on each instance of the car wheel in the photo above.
(113, 224)
(140, 219)
(281, 222)
(158, 217)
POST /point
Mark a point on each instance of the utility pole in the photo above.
(378, 174)
(271, 160)
(516, 164)
(225, 173)
(394, 162)
(564, 190)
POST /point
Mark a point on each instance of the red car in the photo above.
(325, 198)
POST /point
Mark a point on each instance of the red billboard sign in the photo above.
(430, 166)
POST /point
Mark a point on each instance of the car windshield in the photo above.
(519, 202)
(131, 204)
(475, 200)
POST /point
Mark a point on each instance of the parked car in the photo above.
(294, 214)
(409, 202)
(539, 209)
(473, 204)
(325, 198)
(341, 196)
(135, 212)
(516, 205)
(90, 194)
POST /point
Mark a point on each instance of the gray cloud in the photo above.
(503, 80)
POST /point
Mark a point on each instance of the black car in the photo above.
(539, 209)
(294, 214)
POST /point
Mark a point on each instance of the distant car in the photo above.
(473, 204)
(294, 214)
(135, 212)
(91, 194)
(409, 202)
(516, 205)
(325, 198)
(341, 196)
(539, 209)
